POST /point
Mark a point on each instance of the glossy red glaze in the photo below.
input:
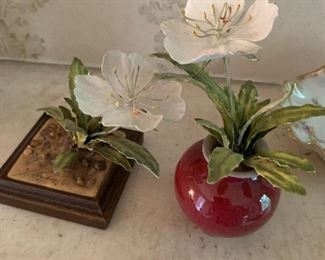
(231, 207)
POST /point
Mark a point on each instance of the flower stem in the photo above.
(230, 95)
(226, 64)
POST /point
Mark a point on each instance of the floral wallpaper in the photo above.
(55, 31)
(16, 41)
(158, 11)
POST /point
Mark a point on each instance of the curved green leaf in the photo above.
(247, 98)
(283, 116)
(72, 126)
(278, 176)
(113, 155)
(82, 119)
(214, 130)
(251, 144)
(79, 134)
(54, 112)
(65, 159)
(135, 152)
(76, 68)
(73, 104)
(66, 112)
(262, 104)
(94, 125)
(222, 162)
(285, 159)
(288, 91)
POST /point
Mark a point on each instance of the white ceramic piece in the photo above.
(310, 89)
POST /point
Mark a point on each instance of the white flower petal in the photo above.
(98, 98)
(239, 46)
(146, 71)
(211, 32)
(125, 117)
(173, 109)
(257, 22)
(94, 95)
(164, 98)
(115, 66)
(182, 45)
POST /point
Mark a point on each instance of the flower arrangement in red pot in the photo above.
(229, 183)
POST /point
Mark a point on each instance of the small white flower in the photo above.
(130, 96)
(214, 29)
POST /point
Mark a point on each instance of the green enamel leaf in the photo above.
(214, 130)
(278, 176)
(222, 162)
(73, 105)
(76, 68)
(248, 94)
(285, 159)
(260, 113)
(113, 155)
(54, 112)
(66, 112)
(65, 159)
(72, 126)
(135, 152)
(81, 117)
(262, 104)
(94, 125)
(79, 134)
(284, 116)
(259, 136)
(247, 98)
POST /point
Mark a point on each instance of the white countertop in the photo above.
(148, 223)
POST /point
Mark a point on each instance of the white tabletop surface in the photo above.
(148, 223)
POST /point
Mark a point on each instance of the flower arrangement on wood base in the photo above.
(130, 97)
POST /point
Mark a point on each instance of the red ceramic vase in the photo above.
(234, 206)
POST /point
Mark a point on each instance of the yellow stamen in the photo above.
(230, 11)
(237, 10)
(206, 19)
(214, 13)
(224, 11)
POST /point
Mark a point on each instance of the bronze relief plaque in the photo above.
(34, 165)
(87, 192)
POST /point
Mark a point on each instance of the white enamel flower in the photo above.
(213, 29)
(129, 96)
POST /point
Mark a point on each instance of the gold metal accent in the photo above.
(311, 74)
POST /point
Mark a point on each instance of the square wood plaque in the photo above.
(44, 192)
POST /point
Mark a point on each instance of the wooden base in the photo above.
(92, 211)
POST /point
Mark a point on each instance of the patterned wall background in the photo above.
(57, 30)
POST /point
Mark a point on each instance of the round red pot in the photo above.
(234, 206)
